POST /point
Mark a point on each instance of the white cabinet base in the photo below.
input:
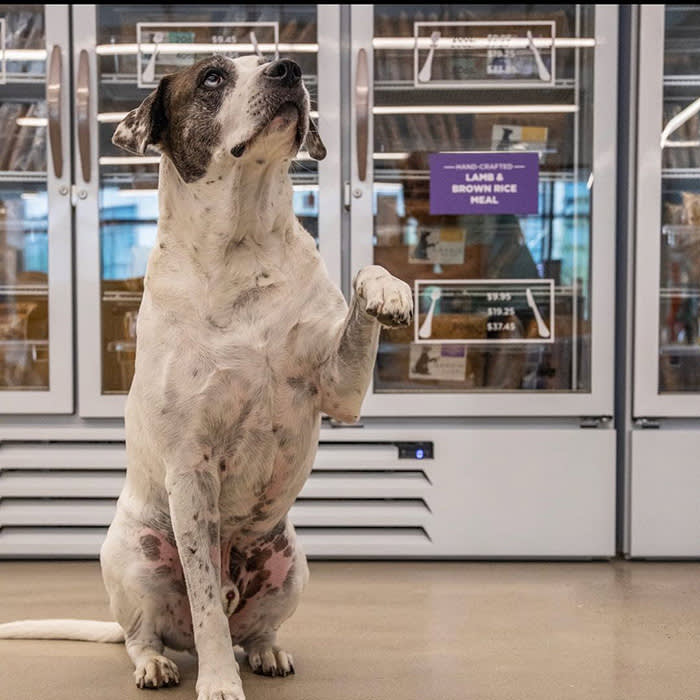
(665, 494)
(489, 492)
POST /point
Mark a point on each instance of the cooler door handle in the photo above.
(54, 87)
(362, 113)
(83, 114)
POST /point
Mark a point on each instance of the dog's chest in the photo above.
(246, 395)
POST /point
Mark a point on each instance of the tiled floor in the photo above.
(406, 631)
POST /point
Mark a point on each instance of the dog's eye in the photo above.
(213, 79)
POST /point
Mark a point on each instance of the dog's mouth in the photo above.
(283, 118)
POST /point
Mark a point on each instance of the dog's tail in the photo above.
(78, 630)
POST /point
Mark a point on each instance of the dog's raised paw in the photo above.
(386, 298)
(157, 672)
(271, 661)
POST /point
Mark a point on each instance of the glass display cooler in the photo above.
(120, 54)
(36, 320)
(487, 430)
(664, 516)
(513, 308)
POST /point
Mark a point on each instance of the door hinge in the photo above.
(594, 421)
(76, 194)
(647, 423)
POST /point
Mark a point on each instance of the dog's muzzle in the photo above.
(283, 79)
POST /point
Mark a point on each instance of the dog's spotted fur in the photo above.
(242, 343)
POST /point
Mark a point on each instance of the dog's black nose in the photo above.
(285, 72)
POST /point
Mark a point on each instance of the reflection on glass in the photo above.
(679, 340)
(24, 320)
(436, 93)
(128, 196)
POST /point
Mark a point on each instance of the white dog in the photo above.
(243, 342)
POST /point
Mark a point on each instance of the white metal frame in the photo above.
(647, 401)
(599, 402)
(59, 397)
(92, 403)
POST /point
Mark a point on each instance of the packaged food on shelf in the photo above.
(8, 264)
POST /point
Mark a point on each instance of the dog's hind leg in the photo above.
(272, 576)
(147, 597)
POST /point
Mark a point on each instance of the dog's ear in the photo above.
(313, 143)
(145, 125)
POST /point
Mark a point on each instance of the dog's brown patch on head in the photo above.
(150, 546)
(180, 117)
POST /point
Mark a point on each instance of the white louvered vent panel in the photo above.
(308, 512)
(57, 500)
(66, 512)
(360, 457)
(62, 456)
(51, 542)
(84, 542)
(364, 541)
(62, 512)
(361, 484)
(60, 484)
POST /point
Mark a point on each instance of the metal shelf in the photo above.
(174, 49)
(122, 179)
(681, 80)
(25, 290)
(131, 79)
(22, 343)
(398, 176)
(119, 295)
(396, 85)
(24, 79)
(22, 176)
(680, 173)
(404, 43)
(677, 349)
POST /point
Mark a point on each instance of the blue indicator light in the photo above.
(419, 453)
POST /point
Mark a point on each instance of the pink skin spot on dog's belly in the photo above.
(157, 552)
(161, 562)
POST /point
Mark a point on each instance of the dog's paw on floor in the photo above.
(157, 672)
(270, 661)
(219, 690)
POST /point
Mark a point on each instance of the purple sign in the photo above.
(484, 183)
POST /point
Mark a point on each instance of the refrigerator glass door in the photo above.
(35, 218)
(127, 49)
(667, 358)
(483, 175)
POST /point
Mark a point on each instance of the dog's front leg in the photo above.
(379, 299)
(193, 493)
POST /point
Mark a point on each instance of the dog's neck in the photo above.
(247, 204)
